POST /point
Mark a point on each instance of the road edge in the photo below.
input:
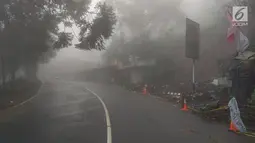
(27, 100)
(107, 117)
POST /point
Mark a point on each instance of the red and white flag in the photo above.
(231, 34)
(231, 29)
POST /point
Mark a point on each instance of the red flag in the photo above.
(231, 29)
(231, 34)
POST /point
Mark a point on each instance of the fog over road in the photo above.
(65, 111)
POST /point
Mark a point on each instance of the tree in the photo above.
(29, 29)
(138, 16)
(99, 30)
(156, 29)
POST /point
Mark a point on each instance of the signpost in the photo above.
(192, 44)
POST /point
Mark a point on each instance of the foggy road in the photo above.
(63, 42)
(66, 112)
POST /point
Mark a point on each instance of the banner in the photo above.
(231, 34)
(244, 43)
(235, 115)
(232, 29)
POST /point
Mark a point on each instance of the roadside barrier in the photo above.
(197, 111)
(235, 130)
(184, 107)
(231, 126)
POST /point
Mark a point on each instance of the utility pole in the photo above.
(193, 76)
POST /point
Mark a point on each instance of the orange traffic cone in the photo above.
(185, 107)
(145, 90)
(232, 127)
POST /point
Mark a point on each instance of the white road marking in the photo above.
(28, 100)
(107, 117)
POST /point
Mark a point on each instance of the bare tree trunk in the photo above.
(3, 71)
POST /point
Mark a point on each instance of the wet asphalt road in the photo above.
(65, 112)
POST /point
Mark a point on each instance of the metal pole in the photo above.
(193, 76)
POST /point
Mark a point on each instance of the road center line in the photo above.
(107, 117)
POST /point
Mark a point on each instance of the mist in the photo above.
(156, 29)
(169, 18)
(71, 60)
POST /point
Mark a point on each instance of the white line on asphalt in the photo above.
(30, 99)
(107, 117)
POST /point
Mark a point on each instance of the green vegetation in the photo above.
(29, 31)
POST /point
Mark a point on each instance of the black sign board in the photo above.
(192, 39)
